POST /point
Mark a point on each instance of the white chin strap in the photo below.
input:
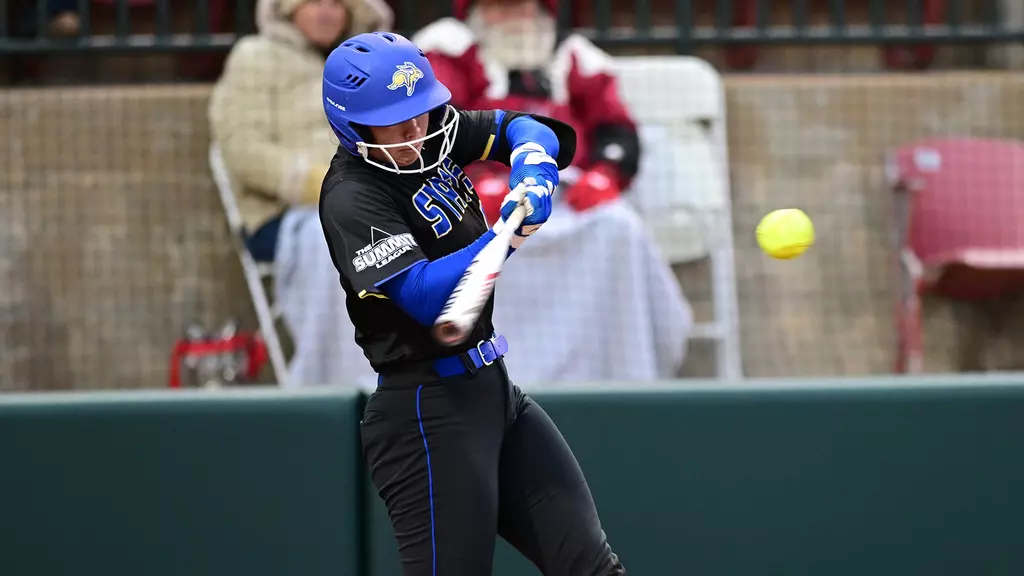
(448, 130)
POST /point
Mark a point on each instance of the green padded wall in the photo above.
(840, 478)
(198, 484)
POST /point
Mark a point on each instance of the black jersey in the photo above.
(378, 224)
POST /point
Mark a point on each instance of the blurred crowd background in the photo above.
(161, 162)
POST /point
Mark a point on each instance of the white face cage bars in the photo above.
(449, 128)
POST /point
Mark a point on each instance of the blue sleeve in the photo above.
(423, 289)
(494, 134)
(525, 129)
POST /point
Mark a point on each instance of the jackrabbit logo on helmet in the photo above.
(407, 75)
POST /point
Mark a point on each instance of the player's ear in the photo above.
(363, 133)
(436, 117)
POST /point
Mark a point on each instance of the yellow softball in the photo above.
(785, 234)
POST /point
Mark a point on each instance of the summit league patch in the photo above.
(383, 249)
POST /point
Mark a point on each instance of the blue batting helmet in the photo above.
(380, 79)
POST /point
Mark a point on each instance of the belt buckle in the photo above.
(481, 352)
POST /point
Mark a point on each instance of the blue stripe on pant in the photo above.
(430, 479)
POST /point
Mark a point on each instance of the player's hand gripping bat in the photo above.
(463, 308)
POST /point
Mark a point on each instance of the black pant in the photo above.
(463, 459)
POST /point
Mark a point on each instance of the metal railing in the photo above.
(28, 33)
(24, 31)
(954, 27)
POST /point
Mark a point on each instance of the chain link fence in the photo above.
(115, 249)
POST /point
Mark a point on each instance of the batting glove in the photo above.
(536, 199)
(532, 166)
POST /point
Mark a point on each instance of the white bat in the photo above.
(463, 308)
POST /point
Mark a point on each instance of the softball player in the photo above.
(457, 452)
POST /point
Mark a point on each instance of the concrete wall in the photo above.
(112, 236)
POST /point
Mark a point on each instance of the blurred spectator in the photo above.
(267, 118)
(266, 114)
(610, 307)
(509, 54)
(61, 18)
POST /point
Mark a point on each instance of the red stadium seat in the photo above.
(960, 222)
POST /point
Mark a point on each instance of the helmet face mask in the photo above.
(449, 126)
(382, 79)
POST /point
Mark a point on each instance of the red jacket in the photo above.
(578, 87)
